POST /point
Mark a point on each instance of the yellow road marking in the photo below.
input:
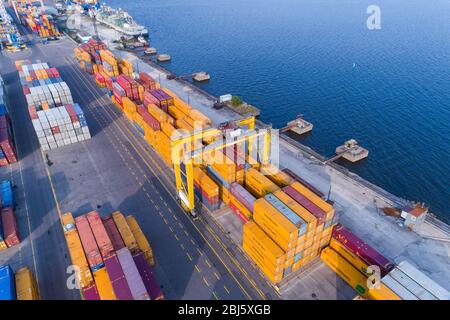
(215, 295)
(207, 262)
(205, 281)
(216, 275)
(189, 256)
(226, 289)
(197, 268)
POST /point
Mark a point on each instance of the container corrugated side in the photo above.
(148, 277)
(132, 275)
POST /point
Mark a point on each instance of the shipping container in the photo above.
(148, 277)
(323, 205)
(295, 176)
(26, 286)
(275, 224)
(90, 247)
(264, 243)
(362, 250)
(101, 236)
(103, 284)
(125, 231)
(308, 217)
(117, 277)
(258, 184)
(345, 270)
(277, 176)
(244, 197)
(9, 224)
(90, 293)
(410, 283)
(295, 219)
(113, 233)
(132, 275)
(7, 284)
(306, 203)
(7, 195)
(141, 240)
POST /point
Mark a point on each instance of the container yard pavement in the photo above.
(116, 171)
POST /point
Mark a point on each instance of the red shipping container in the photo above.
(55, 130)
(365, 252)
(10, 233)
(124, 82)
(141, 109)
(294, 176)
(238, 212)
(113, 233)
(33, 113)
(100, 234)
(117, 89)
(151, 121)
(6, 141)
(72, 114)
(88, 241)
(306, 203)
(26, 90)
(91, 293)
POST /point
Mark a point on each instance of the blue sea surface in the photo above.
(389, 89)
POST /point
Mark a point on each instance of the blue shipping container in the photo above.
(288, 213)
(7, 194)
(7, 284)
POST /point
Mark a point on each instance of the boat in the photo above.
(119, 20)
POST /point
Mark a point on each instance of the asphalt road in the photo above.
(115, 170)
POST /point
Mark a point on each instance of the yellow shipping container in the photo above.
(26, 287)
(3, 245)
(325, 206)
(308, 217)
(277, 176)
(125, 231)
(176, 113)
(240, 206)
(349, 256)
(345, 270)
(141, 240)
(168, 129)
(258, 184)
(274, 277)
(104, 286)
(199, 117)
(208, 184)
(263, 243)
(76, 251)
(183, 124)
(275, 224)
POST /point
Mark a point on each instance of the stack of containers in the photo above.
(7, 150)
(32, 15)
(26, 286)
(258, 184)
(241, 201)
(118, 254)
(354, 278)
(141, 240)
(409, 283)
(56, 119)
(112, 265)
(206, 189)
(78, 258)
(7, 284)
(109, 63)
(88, 56)
(9, 225)
(350, 258)
(9, 35)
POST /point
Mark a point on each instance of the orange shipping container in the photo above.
(264, 243)
(141, 240)
(323, 205)
(125, 231)
(103, 284)
(275, 224)
(309, 218)
(258, 184)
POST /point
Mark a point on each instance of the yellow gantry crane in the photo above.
(184, 157)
